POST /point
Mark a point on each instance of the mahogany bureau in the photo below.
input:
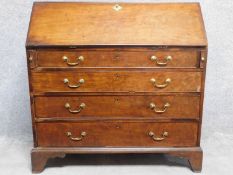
(116, 78)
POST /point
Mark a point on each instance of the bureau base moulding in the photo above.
(40, 156)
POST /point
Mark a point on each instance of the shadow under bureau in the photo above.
(116, 78)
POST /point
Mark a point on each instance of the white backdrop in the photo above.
(15, 117)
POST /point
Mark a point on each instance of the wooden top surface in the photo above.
(81, 24)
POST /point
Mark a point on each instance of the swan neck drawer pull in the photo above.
(162, 63)
(79, 60)
(159, 111)
(69, 134)
(163, 136)
(81, 107)
(154, 82)
(81, 81)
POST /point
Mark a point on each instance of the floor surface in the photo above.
(218, 160)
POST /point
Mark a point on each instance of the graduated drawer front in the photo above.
(117, 134)
(116, 81)
(121, 58)
(166, 106)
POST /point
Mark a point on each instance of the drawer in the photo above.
(127, 81)
(124, 134)
(154, 106)
(118, 58)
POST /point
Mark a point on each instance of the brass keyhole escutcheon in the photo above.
(116, 57)
(116, 100)
(117, 127)
(116, 76)
(117, 7)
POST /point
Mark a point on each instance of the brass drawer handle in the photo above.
(152, 135)
(81, 81)
(167, 59)
(79, 59)
(69, 134)
(167, 82)
(81, 107)
(160, 111)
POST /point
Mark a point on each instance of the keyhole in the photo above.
(117, 76)
(116, 100)
(116, 57)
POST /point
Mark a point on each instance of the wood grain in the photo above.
(117, 47)
(128, 57)
(116, 134)
(75, 24)
(41, 155)
(116, 81)
(40, 158)
(133, 106)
